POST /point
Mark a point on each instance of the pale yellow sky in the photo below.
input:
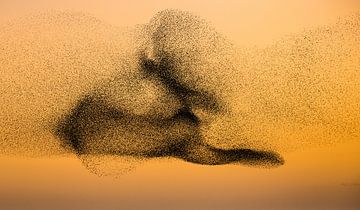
(247, 22)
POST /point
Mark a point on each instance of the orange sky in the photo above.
(246, 21)
(327, 176)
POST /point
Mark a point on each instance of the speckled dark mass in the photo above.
(173, 88)
(91, 116)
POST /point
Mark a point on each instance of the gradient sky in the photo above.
(323, 178)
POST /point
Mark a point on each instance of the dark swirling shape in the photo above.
(92, 116)
(107, 129)
(89, 116)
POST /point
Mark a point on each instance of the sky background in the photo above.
(322, 178)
